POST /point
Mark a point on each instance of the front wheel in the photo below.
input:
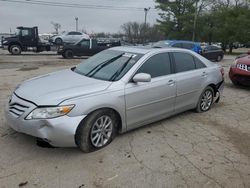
(97, 131)
(58, 41)
(205, 100)
(15, 49)
(68, 54)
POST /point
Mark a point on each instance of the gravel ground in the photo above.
(211, 149)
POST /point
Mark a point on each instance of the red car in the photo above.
(239, 73)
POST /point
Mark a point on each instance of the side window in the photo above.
(78, 33)
(85, 43)
(26, 32)
(183, 61)
(188, 46)
(214, 48)
(177, 45)
(70, 33)
(199, 64)
(157, 65)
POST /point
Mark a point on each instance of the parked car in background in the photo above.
(213, 53)
(116, 90)
(68, 37)
(194, 46)
(239, 72)
(85, 47)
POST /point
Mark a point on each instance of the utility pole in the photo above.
(145, 23)
(76, 18)
(195, 19)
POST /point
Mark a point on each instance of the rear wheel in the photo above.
(68, 54)
(96, 131)
(219, 58)
(206, 100)
(15, 49)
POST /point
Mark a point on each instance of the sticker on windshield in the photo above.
(129, 55)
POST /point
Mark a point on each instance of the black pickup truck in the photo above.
(85, 47)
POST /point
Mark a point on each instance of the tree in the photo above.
(56, 26)
(135, 32)
(179, 18)
(232, 25)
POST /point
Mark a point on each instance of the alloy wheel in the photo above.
(206, 100)
(101, 131)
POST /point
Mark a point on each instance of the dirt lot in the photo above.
(189, 150)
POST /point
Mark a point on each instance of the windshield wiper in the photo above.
(119, 71)
(103, 64)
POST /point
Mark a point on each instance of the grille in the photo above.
(243, 67)
(17, 109)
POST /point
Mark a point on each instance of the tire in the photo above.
(90, 134)
(68, 54)
(58, 41)
(219, 58)
(15, 49)
(206, 100)
(236, 83)
(63, 55)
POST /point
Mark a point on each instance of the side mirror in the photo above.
(142, 77)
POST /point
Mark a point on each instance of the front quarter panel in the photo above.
(113, 98)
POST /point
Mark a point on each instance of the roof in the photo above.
(133, 49)
(146, 49)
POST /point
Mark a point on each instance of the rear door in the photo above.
(190, 78)
(146, 102)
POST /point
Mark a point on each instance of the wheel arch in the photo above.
(121, 124)
(15, 43)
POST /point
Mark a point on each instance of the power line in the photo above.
(74, 5)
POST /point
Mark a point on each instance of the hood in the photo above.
(244, 60)
(9, 39)
(53, 88)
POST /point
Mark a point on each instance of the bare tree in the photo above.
(56, 26)
(135, 32)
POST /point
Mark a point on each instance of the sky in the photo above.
(13, 14)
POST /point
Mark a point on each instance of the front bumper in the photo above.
(5, 47)
(59, 132)
(238, 75)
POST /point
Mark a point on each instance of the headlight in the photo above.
(49, 112)
(5, 42)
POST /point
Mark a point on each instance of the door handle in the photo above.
(171, 82)
(204, 74)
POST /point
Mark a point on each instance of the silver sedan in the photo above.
(117, 90)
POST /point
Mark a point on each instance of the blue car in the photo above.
(194, 46)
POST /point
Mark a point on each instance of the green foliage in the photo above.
(176, 18)
(225, 21)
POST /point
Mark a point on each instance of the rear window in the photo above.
(188, 46)
(183, 61)
(177, 45)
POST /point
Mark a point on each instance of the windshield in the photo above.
(161, 44)
(17, 32)
(109, 65)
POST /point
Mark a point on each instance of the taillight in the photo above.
(222, 71)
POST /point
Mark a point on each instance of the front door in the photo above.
(150, 101)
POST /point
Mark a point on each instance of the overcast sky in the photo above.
(92, 20)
